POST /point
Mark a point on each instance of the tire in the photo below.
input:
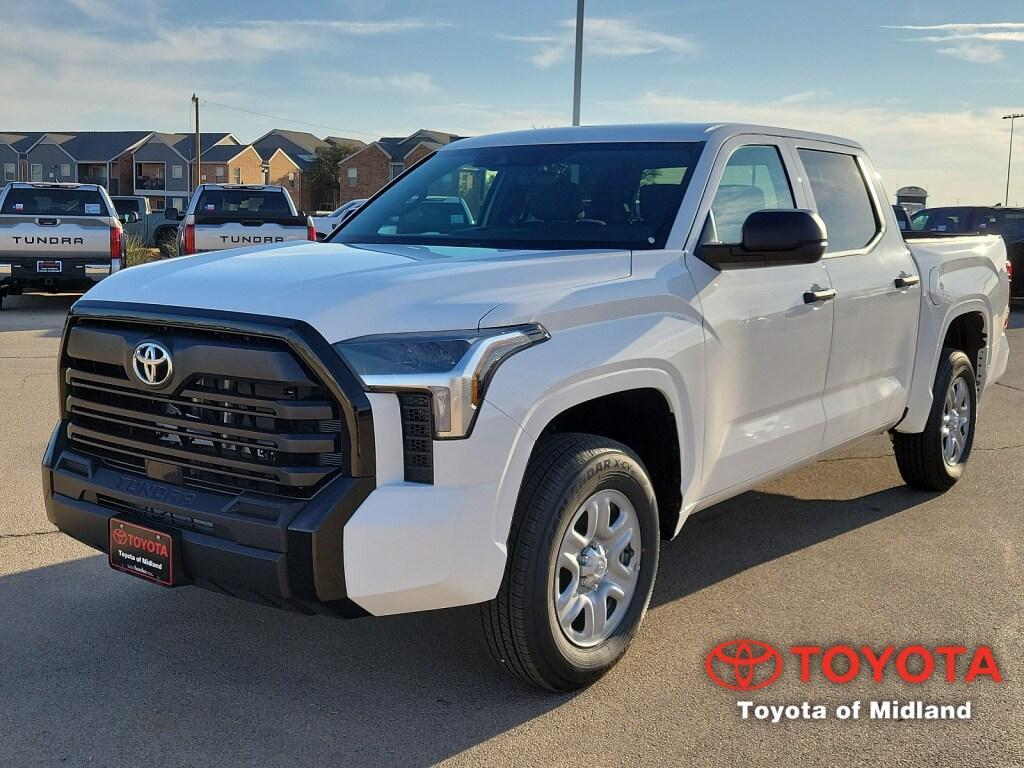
(570, 480)
(924, 458)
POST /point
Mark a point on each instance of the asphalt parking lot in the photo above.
(97, 668)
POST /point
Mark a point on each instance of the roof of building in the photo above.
(397, 147)
(221, 153)
(102, 146)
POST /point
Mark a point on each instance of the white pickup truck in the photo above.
(223, 216)
(513, 410)
(56, 237)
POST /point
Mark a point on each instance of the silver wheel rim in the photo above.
(596, 568)
(956, 421)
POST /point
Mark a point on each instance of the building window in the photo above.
(65, 170)
(176, 171)
(9, 171)
(36, 170)
(353, 176)
(238, 175)
(396, 169)
(219, 172)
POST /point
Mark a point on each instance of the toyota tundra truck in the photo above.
(225, 216)
(513, 409)
(56, 237)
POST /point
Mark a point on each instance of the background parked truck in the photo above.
(222, 216)
(56, 237)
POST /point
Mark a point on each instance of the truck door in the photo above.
(766, 345)
(878, 294)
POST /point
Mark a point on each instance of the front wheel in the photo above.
(583, 554)
(933, 460)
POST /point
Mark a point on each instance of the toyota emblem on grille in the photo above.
(152, 363)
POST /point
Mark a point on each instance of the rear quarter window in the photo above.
(54, 202)
(842, 198)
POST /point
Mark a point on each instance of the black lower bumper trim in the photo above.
(303, 572)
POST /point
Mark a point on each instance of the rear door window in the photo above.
(54, 202)
(842, 198)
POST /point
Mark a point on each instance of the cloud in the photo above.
(973, 42)
(602, 37)
(976, 53)
(410, 82)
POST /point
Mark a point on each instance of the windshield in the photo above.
(545, 197)
(43, 201)
(244, 201)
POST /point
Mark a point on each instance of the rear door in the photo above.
(766, 348)
(878, 294)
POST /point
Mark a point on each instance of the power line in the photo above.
(286, 119)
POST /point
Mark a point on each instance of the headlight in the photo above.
(455, 367)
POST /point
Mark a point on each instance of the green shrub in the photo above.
(135, 252)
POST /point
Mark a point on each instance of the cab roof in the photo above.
(715, 133)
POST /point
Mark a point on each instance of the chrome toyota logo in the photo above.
(152, 363)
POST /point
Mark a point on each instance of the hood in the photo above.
(346, 291)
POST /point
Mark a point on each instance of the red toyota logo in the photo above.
(743, 665)
(120, 537)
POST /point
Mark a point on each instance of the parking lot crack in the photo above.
(30, 534)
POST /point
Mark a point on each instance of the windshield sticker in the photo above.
(92, 208)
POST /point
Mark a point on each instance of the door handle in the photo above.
(817, 295)
(905, 281)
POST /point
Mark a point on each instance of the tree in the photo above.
(324, 176)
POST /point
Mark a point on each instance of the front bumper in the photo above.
(288, 555)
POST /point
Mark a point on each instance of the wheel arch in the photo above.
(647, 411)
(967, 322)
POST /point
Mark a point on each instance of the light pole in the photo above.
(1009, 160)
(578, 76)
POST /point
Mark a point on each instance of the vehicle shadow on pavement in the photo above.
(37, 312)
(757, 527)
(98, 666)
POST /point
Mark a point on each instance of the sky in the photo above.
(921, 83)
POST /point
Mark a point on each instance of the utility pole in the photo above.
(1009, 159)
(578, 77)
(198, 148)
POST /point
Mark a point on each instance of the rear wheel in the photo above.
(933, 460)
(583, 554)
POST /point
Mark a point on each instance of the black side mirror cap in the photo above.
(772, 238)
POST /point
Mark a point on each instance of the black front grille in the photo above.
(219, 429)
(417, 437)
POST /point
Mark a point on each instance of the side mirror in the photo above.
(130, 218)
(772, 238)
(172, 214)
